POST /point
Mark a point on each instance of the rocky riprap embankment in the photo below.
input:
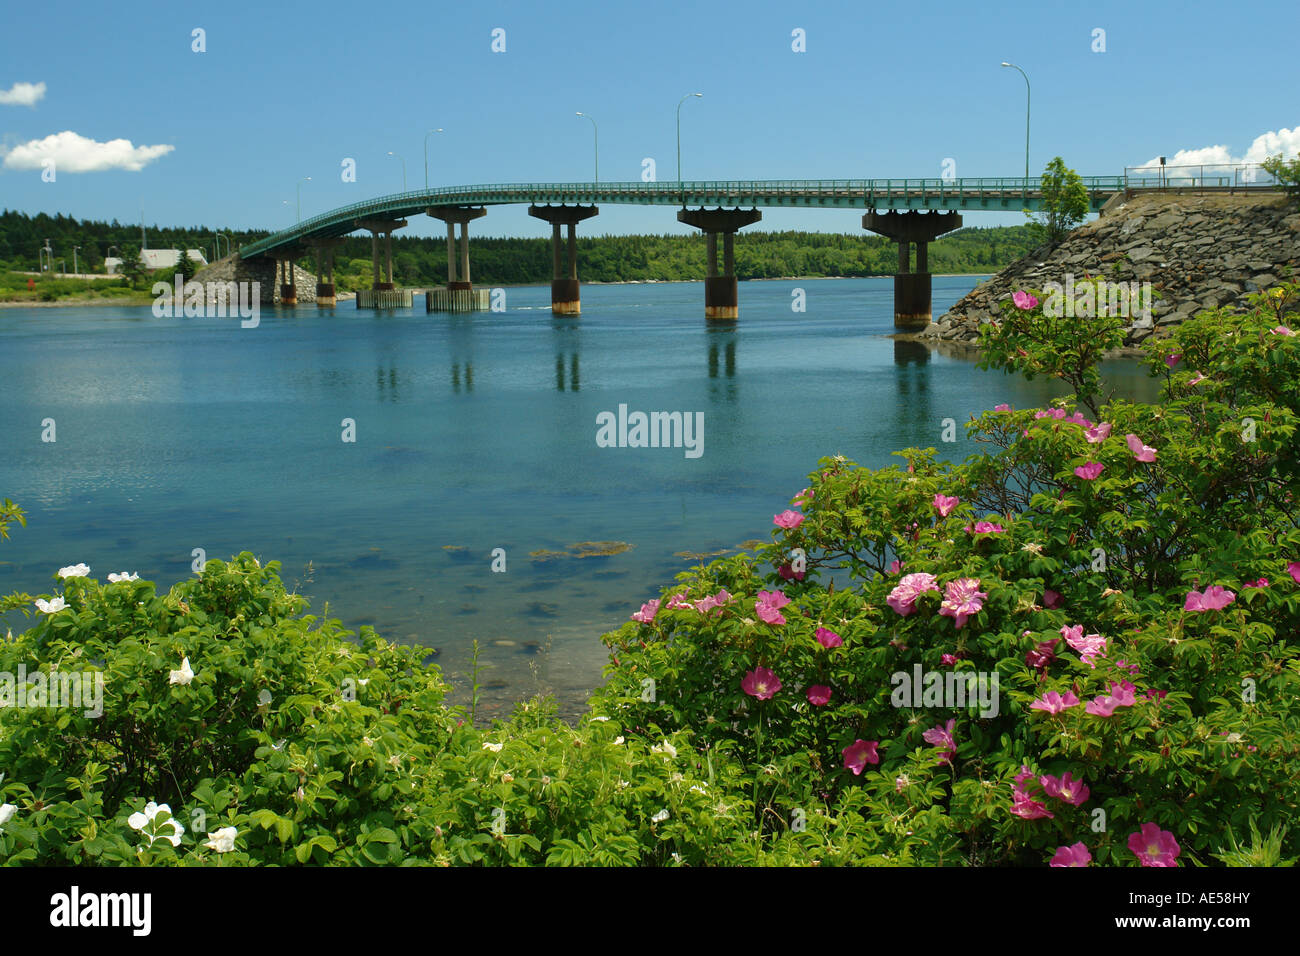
(1198, 252)
(261, 271)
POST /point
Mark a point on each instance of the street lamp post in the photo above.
(1027, 93)
(426, 155)
(75, 270)
(391, 153)
(305, 179)
(679, 143)
(596, 133)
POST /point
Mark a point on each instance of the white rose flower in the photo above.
(74, 571)
(660, 817)
(122, 576)
(138, 821)
(223, 840)
(7, 811)
(182, 676)
(51, 607)
(664, 748)
(495, 748)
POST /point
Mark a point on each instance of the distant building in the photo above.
(153, 259)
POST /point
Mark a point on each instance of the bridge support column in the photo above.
(566, 298)
(288, 284)
(324, 251)
(386, 228)
(721, 299)
(912, 289)
(452, 215)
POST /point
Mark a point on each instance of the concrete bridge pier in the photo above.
(452, 215)
(912, 289)
(721, 298)
(385, 228)
(284, 274)
(565, 296)
(324, 252)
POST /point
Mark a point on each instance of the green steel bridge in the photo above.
(935, 195)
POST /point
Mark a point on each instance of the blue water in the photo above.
(473, 432)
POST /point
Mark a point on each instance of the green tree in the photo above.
(1065, 200)
(1287, 173)
(132, 267)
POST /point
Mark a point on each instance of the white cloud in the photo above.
(1285, 141)
(22, 94)
(73, 153)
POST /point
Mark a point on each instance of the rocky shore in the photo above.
(1197, 252)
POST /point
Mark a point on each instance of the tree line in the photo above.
(422, 261)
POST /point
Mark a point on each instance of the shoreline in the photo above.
(148, 300)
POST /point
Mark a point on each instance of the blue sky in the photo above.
(286, 91)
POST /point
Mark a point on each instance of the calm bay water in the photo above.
(473, 433)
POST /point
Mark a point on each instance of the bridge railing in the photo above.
(667, 192)
(1199, 176)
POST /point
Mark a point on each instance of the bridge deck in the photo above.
(991, 194)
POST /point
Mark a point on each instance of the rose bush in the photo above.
(1133, 583)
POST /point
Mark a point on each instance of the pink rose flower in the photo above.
(761, 683)
(1261, 583)
(1002, 408)
(1215, 598)
(1023, 300)
(941, 736)
(1066, 790)
(962, 599)
(860, 753)
(818, 695)
(768, 606)
(1282, 330)
(647, 612)
(1089, 471)
(1140, 451)
(827, 639)
(1154, 846)
(1172, 360)
(1076, 855)
(1088, 647)
(788, 520)
(1043, 654)
(987, 527)
(1051, 599)
(1293, 569)
(787, 572)
(945, 504)
(1054, 702)
(1098, 433)
(1023, 805)
(903, 597)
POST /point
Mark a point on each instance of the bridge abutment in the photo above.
(721, 295)
(565, 293)
(912, 308)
